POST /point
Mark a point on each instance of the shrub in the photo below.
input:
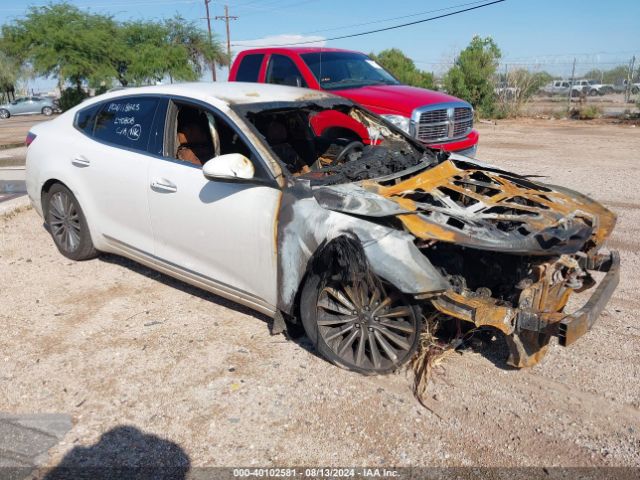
(585, 113)
(471, 77)
(403, 68)
(71, 97)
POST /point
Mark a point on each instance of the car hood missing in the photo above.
(470, 204)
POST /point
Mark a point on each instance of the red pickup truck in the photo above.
(436, 119)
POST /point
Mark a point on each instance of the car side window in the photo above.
(282, 71)
(86, 119)
(249, 69)
(126, 122)
(197, 135)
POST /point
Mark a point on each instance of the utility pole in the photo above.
(573, 76)
(213, 64)
(226, 18)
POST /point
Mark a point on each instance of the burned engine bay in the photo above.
(512, 251)
(341, 144)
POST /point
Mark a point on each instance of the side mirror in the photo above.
(232, 167)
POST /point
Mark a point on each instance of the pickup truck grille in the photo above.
(442, 123)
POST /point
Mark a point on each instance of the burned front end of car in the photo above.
(513, 251)
(509, 252)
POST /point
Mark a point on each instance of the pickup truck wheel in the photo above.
(48, 111)
(635, 90)
(593, 93)
(67, 224)
(4, 113)
(370, 329)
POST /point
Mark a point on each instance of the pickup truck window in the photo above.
(282, 71)
(249, 68)
(340, 70)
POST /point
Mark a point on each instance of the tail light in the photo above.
(30, 138)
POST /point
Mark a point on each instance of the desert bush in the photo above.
(588, 112)
(471, 76)
(71, 97)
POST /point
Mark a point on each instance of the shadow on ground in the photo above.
(124, 453)
(182, 286)
(294, 333)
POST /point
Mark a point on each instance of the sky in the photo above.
(538, 34)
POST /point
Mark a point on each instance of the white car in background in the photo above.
(310, 209)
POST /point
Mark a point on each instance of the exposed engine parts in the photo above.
(479, 245)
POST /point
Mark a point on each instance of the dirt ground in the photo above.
(138, 358)
(14, 130)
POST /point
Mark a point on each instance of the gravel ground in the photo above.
(152, 370)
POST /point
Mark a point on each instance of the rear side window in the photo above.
(282, 71)
(126, 122)
(86, 119)
(249, 68)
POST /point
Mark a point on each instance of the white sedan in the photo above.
(310, 209)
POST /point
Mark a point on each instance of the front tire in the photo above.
(47, 111)
(4, 113)
(370, 329)
(68, 225)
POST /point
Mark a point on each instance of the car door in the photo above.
(282, 70)
(218, 234)
(38, 104)
(31, 105)
(19, 106)
(111, 157)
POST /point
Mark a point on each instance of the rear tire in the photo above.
(372, 330)
(47, 111)
(68, 225)
(4, 113)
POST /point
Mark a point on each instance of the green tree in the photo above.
(9, 73)
(146, 52)
(472, 75)
(403, 68)
(142, 53)
(75, 46)
(60, 40)
(190, 49)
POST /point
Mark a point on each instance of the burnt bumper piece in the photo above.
(527, 332)
(529, 342)
(575, 325)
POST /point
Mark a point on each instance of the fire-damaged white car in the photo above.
(308, 208)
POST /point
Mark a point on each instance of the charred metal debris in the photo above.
(474, 244)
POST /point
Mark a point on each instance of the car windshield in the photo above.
(342, 70)
(328, 143)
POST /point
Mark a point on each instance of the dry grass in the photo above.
(432, 353)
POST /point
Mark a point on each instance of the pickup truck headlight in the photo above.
(399, 121)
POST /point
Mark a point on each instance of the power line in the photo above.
(389, 28)
(382, 20)
(279, 7)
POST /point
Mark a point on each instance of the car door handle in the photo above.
(163, 185)
(80, 161)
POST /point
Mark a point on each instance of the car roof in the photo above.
(222, 93)
(298, 50)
